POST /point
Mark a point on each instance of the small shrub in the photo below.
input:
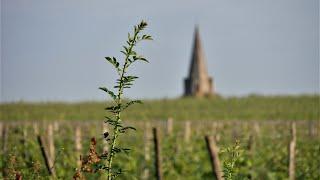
(96, 163)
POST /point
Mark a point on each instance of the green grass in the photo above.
(181, 160)
(305, 107)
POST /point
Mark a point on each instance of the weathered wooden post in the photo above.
(78, 145)
(187, 131)
(35, 128)
(292, 147)
(1, 129)
(312, 128)
(56, 126)
(236, 130)
(214, 126)
(250, 146)
(147, 138)
(317, 126)
(214, 157)
(51, 142)
(157, 150)
(47, 160)
(256, 128)
(169, 126)
(217, 137)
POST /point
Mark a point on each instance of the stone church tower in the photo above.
(198, 83)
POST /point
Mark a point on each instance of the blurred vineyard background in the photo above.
(261, 124)
(216, 108)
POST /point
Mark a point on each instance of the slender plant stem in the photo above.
(118, 116)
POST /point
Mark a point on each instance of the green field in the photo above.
(266, 157)
(262, 124)
(247, 108)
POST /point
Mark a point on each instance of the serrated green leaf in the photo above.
(111, 121)
(112, 95)
(146, 37)
(126, 150)
(123, 52)
(124, 129)
(131, 103)
(143, 59)
(127, 79)
(126, 49)
(114, 62)
(142, 25)
(113, 109)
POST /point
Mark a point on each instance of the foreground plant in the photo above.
(233, 153)
(124, 81)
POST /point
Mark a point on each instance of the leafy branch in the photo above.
(124, 81)
(234, 153)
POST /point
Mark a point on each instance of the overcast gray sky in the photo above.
(54, 50)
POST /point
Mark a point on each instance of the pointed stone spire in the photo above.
(198, 68)
(198, 82)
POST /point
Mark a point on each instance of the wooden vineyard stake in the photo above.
(292, 147)
(36, 128)
(24, 140)
(251, 144)
(169, 126)
(187, 131)
(56, 126)
(1, 129)
(2, 132)
(312, 128)
(51, 141)
(317, 127)
(147, 138)
(214, 127)
(217, 137)
(78, 145)
(213, 152)
(157, 150)
(235, 130)
(47, 160)
(256, 128)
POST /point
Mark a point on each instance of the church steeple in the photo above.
(198, 83)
